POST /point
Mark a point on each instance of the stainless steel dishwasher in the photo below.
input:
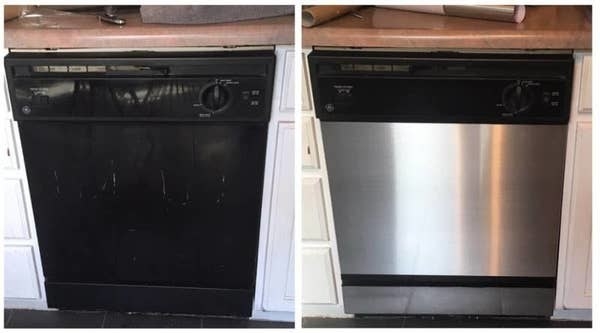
(446, 177)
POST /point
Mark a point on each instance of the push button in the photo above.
(58, 69)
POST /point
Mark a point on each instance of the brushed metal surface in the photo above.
(446, 199)
(449, 300)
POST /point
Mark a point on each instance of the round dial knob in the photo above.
(214, 97)
(517, 98)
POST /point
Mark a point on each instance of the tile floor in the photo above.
(441, 322)
(101, 319)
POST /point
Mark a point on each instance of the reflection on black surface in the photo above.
(115, 97)
(148, 204)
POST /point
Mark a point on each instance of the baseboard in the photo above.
(273, 315)
(24, 303)
(572, 314)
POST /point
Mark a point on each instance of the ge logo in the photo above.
(329, 107)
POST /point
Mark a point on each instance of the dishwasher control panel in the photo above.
(154, 87)
(445, 88)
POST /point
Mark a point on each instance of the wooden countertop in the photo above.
(544, 27)
(86, 31)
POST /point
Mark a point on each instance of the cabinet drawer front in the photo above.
(310, 158)
(20, 275)
(585, 98)
(287, 96)
(318, 286)
(314, 218)
(15, 213)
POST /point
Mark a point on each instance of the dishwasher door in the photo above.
(446, 199)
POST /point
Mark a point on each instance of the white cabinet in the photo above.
(313, 210)
(9, 156)
(306, 104)
(279, 272)
(16, 224)
(20, 276)
(578, 293)
(310, 158)
(585, 99)
(574, 282)
(317, 277)
(321, 280)
(287, 100)
(275, 285)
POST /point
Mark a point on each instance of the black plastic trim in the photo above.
(437, 67)
(378, 280)
(125, 298)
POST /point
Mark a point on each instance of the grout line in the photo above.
(104, 319)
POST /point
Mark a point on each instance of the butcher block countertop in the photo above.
(544, 27)
(86, 31)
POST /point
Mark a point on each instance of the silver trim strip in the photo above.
(449, 300)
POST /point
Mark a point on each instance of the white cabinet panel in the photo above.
(306, 105)
(318, 285)
(9, 156)
(279, 273)
(15, 213)
(585, 101)
(6, 100)
(314, 219)
(310, 158)
(287, 101)
(578, 271)
(20, 276)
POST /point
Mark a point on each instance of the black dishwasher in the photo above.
(146, 172)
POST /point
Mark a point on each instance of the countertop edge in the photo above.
(454, 39)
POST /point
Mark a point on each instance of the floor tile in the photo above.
(7, 315)
(57, 319)
(188, 321)
(223, 322)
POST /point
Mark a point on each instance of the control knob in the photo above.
(214, 97)
(517, 98)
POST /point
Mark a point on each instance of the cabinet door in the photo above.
(287, 101)
(20, 276)
(310, 160)
(9, 157)
(306, 105)
(279, 272)
(15, 213)
(318, 286)
(314, 218)
(585, 99)
(578, 284)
